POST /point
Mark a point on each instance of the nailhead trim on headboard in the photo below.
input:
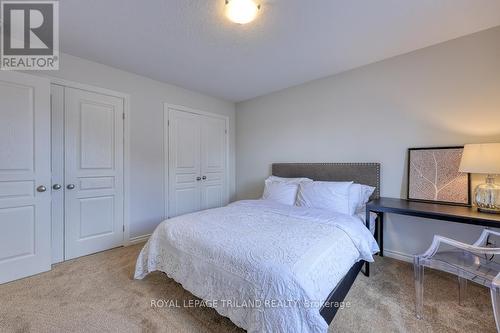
(364, 173)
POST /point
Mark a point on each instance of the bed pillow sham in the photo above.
(359, 195)
(282, 192)
(331, 196)
(288, 180)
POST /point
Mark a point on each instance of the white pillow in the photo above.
(281, 192)
(288, 180)
(332, 196)
(359, 195)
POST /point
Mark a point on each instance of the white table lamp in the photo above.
(484, 159)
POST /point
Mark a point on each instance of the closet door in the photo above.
(213, 162)
(184, 163)
(24, 175)
(93, 172)
(57, 190)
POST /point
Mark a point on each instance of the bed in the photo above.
(266, 266)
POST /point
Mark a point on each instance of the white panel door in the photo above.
(93, 172)
(213, 162)
(57, 129)
(184, 163)
(24, 175)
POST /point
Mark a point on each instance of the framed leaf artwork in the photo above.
(433, 176)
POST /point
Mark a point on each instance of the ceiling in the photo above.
(191, 44)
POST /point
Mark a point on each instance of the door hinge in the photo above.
(225, 131)
(124, 228)
(168, 122)
(123, 115)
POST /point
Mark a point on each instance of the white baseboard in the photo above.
(398, 255)
(138, 239)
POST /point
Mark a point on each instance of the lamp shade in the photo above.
(481, 158)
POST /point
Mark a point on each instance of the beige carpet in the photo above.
(97, 294)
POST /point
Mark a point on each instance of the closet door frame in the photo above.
(166, 132)
(126, 144)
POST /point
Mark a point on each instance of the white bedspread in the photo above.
(266, 266)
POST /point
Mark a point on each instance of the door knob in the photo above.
(204, 177)
(70, 186)
(56, 187)
(198, 178)
(41, 188)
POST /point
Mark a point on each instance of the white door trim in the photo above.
(166, 129)
(126, 143)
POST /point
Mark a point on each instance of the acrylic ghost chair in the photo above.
(469, 262)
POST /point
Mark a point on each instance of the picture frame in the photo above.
(433, 176)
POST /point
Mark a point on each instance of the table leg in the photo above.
(381, 233)
(367, 222)
(367, 219)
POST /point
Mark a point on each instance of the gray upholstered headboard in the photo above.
(361, 173)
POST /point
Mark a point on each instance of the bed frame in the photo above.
(362, 173)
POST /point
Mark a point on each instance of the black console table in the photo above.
(459, 214)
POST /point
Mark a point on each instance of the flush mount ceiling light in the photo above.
(241, 11)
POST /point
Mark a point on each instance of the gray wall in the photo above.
(448, 94)
(146, 126)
